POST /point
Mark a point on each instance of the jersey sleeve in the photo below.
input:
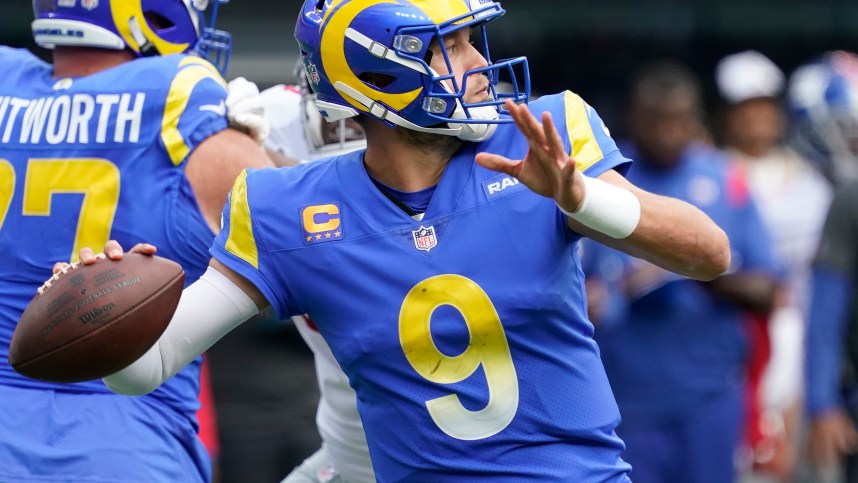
(240, 244)
(590, 142)
(195, 108)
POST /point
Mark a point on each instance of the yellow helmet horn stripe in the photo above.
(440, 12)
(334, 57)
(123, 11)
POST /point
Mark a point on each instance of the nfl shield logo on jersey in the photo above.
(89, 4)
(424, 238)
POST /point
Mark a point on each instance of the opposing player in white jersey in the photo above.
(299, 134)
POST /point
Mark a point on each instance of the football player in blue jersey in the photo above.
(440, 263)
(123, 137)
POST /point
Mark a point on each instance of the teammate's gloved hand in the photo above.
(245, 109)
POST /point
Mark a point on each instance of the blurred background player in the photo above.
(298, 131)
(267, 431)
(674, 348)
(823, 95)
(792, 197)
(114, 140)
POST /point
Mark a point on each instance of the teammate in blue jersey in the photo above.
(114, 140)
(449, 290)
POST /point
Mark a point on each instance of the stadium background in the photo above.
(590, 47)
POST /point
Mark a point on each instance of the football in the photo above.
(94, 320)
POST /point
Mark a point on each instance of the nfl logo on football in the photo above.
(424, 238)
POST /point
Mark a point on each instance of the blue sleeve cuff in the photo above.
(826, 332)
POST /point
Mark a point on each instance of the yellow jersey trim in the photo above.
(241, 242)
(585, 148)
(192, 70)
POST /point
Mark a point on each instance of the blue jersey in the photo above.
(673, 346)
(94, 158)
(465, 335)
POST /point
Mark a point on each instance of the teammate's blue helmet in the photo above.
(822, 98)
(370, 56)
(146, 27)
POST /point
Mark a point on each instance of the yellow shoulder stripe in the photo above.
(192, 70)
(124, 12)
(241, 242)
(585, 148)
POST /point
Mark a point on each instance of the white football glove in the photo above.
(245, 109)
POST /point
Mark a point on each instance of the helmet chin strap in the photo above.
(386, 114)
(144, 46)
(475, 132)
(470, 131)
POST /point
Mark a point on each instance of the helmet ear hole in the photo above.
(158, 21)
(377, 80)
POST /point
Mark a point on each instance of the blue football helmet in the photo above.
(146, 27)
(347, 46)
(822, 99)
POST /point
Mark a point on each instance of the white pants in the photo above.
(318, 468)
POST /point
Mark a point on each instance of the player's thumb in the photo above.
(496, 162)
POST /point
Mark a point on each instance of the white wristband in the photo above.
(607, 209)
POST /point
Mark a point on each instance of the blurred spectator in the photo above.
(824, 96)
(674, 348)
(207, 418)
(792, 197)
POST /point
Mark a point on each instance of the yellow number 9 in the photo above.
(488, 346)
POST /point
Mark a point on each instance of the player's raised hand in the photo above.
(547, 168)
(112, 250)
